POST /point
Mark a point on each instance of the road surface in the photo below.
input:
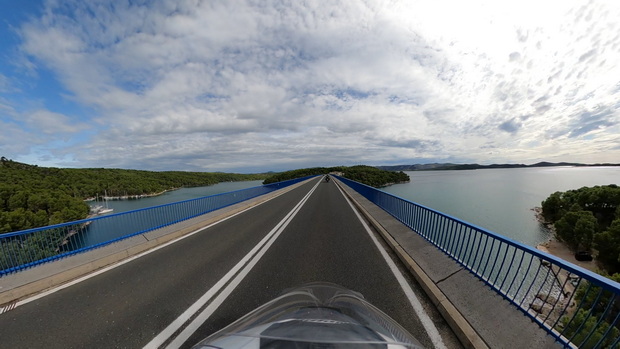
(177, 295)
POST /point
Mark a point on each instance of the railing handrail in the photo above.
(611, 284)
(572, 304)
(89, 219)
(20, 257)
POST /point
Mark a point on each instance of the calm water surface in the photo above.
(500, 200)
(178, 195)
(100, 231)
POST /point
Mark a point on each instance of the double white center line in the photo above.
(199, 312)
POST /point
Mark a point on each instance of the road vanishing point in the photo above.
(178, 293)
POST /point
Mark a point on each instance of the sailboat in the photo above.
(99, 210)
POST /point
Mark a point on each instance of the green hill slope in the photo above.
(364, 174)
(32, 196)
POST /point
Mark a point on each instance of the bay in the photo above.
(499, 200)
(102, 230)
(177, 195)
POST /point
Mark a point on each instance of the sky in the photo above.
(256, 86)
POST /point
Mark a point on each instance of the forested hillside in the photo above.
(32, 196)
(364, 174)
(588, 218)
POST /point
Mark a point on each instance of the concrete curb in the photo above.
(457, 322)
(29, 282)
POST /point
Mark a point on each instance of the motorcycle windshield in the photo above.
(318, 315)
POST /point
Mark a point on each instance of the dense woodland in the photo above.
(364, 174)
(585, 326)
(32, 196)
(587, 219)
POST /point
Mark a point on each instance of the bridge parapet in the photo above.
(576, 307)
(24, 249)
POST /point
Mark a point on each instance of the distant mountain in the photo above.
(451, 166)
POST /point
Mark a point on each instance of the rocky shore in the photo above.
(546, 303)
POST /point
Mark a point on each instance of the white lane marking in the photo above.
(426, 321)
(118, 264)
(247, 263)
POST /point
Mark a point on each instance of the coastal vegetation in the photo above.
(368, 175)
(593, 326)
(588, 219)
(33, 196)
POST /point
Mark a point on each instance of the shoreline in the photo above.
(129, 197)
(557, 248)
(544, 305)
(560, 250)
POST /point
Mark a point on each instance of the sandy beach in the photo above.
(557, 248)
(560, 250)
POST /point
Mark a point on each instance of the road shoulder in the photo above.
(478, 315)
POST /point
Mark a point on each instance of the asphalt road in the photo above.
(129, 306)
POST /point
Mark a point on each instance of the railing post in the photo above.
(23, 249)
(469, 245)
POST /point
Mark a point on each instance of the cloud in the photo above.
(510, 126)
(53, 123)
(4, 84)
(515, 56)
(16, 140)
(224, 85)
(587, 55)
(590, 121)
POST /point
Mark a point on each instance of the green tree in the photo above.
(586, 334)
(565, 210)
(608, 245)
(553, 207)
(28, 191)
(594, 309)
(364, 174)
(577, 229)
(18, 200)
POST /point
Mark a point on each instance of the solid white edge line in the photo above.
(426, 321)
(118, 264)
(253, 256)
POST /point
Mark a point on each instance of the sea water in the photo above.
(500, 200)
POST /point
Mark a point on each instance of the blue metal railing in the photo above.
(577, 307)
(23, 249)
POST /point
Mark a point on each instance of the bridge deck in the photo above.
(456, 291)
(138, 303)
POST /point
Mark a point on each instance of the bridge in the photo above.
(168, 276)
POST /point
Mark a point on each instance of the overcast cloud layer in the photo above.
(254, 86)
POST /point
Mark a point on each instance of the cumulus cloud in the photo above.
(510, 126)
(225, 85)
(4, 84)
(53, 123)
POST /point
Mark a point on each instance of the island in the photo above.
(33, 196)
(456, 167)
(369, 175)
